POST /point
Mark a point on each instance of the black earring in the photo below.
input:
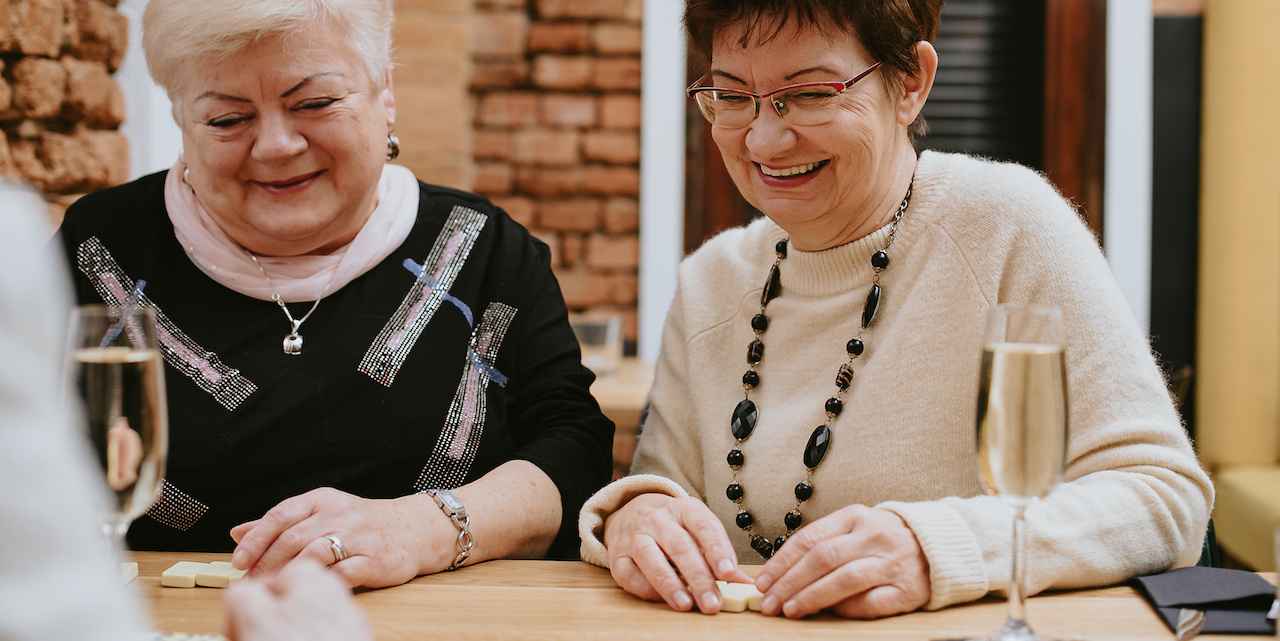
(393, 147)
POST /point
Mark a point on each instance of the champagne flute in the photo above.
(1022, 427)
(115, 369)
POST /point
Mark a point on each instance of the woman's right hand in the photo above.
(654, 532)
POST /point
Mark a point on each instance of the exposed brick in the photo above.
(621, 215)
(614, 38)
(610, 181)
(567, 110)
(582, 9)
(104, 32)
(579, 214)
(6, 160)
(85, 160)
(490, 144)
(573, 248)
(620, 111)
(6, 99)
(508, 109)
(39, 87)
(500, 33)
(559, 37)
(548, 182)
(626, 289)
(499, 73)
(547, 146)
(633, 12)
(35, 27)
(617, 73)
(613, 252)
(6, 27)
(92, 94)
(500, 4)
(553, 243)
(583, 289)
(493, 178)
(563, 72)
(520, 209)
(617, 147)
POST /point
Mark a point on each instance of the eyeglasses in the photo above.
(810, 103)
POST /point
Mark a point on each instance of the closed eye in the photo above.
(319, 103)
(223, 123)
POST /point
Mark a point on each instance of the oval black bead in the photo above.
(755, 352)
(873, 301)
(793, 520)
(760, 322)
(744, 520)
(854, 347)
(743, 420)
(772, 286)
(777, 543)
(816, 448)
(880, 260)
(834, 406)
(804, 491)
(750, 379)
(844, 376)
(761, 545)
(734, 492)
(781, 248)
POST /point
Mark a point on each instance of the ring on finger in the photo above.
(335, 546)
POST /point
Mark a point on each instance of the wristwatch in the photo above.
(453, 507)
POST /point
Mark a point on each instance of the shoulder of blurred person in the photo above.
(56, 579)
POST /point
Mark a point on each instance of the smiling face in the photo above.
(825, 184)
(285, 141)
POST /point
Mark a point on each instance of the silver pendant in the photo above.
(293, 344)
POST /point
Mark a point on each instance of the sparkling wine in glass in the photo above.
(1022, 427)
(117, 372)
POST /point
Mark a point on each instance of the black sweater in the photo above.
(396, 391)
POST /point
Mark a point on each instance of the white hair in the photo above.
(177, 31)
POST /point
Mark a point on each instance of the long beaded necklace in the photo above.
(745, 415)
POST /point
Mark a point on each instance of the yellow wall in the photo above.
(1238, 356)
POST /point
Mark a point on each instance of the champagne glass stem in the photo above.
(1016, 626)
(113, 531)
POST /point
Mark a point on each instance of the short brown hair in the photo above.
(887, 29)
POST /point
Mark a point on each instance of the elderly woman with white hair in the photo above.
(437, 413)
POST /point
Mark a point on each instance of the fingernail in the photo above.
(710, 600)
(763, 582)
(769, 605)
(238, 560)
(725, 567)
(683, 600)
(790, 607)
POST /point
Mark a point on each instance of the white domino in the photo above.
(739, 597)
(218, 574)
(129, 571)
(182, 574)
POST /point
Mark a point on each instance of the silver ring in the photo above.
(335, 545)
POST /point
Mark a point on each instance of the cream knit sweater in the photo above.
(976, 234)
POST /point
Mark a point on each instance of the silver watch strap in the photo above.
(453, 507)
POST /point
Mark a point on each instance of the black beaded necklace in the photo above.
(745, 414)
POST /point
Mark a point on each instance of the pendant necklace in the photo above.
(293, 341)
(745, 415)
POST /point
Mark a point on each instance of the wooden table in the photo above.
(505, 600)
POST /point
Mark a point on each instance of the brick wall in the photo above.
(557, 136)
(59, 104)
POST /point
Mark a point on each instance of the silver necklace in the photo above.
(292, 342)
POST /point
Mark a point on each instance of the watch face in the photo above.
(450, 501)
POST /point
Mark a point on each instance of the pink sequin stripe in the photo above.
(227, 386)
(459, 440)
(449, 253)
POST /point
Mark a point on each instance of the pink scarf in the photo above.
(297, 278)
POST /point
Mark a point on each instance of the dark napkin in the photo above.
(1233, 601)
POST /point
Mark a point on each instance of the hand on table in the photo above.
(302, 602)
(388, 542)
(857, 562)
(653, 532)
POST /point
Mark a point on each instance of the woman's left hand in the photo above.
(857, 562)
(388, 542)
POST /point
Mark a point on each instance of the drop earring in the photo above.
(393, 146)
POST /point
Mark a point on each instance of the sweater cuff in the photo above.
(957, 573)
(607, 501)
